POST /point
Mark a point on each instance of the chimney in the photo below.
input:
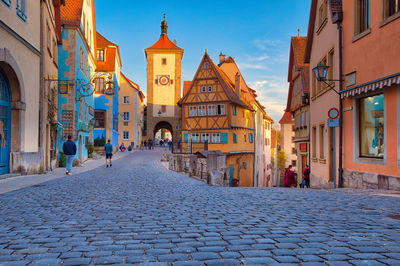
(237, 84)
(221, 58)
(175, 42)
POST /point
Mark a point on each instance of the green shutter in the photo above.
(185, 135)
(224, 138)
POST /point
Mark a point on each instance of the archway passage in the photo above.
(163, 125)
(5, 124)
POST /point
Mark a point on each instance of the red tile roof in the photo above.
(130, 82)
(72, 11)
(186, 87)
(299, 48)
(287, 118)
(164, 43)
(102, 42)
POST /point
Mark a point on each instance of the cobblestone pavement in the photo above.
(138, 212)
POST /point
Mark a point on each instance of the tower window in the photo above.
(156, 81)
(164, 61)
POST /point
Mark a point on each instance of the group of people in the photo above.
(122, 147)
(147, 144)
(290, 179)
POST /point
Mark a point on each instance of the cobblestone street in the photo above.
(138, 212)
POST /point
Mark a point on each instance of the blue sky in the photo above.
(256, 33)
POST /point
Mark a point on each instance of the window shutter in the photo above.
(224, 138)
(185, 137)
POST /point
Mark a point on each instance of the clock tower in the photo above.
(163, 85)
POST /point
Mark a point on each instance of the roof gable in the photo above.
(164, 43)
(130, 82)
(287, 118)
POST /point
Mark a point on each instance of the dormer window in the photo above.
(100, 55)
(164, 61)
(205, 65)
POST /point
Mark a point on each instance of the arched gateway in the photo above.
(163, 85)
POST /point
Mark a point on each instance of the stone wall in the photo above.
(25, 163)
(354, 179)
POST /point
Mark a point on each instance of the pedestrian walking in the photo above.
(69, 149)
(306, 176)
(109, 152)
(289, 180)
(170, 145)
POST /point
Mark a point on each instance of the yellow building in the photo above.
(131, 105)
(217, 115)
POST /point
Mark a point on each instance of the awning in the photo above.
(372, 86)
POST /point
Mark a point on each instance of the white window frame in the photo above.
(126, 97)
(103, 52)
(216, 137)
(209, 88)
(202, 110)
(213, 108)
(195, 137)
(203, 88)
(192, 110)
(222, 109)
(205, 137)
(124, 116)
(123, 135)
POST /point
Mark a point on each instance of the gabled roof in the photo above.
(186, 87)
(111, 52)
(102, 42)
(164, 43)
(226, 83)
(130, 82)
(287, 118)
(336, 9)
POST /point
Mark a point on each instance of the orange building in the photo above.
(219, 112)
(371, 94)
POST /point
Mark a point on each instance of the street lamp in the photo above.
(320, 73)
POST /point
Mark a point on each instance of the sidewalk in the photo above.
(18, 182)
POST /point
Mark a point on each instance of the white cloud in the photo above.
(265, 43)
(252, 66)
(259, 58)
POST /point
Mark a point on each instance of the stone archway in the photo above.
(163, 125)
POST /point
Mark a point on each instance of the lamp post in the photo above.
(320, 73)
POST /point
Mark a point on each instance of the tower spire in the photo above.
(164, 27)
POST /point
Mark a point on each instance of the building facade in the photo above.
(106, 94)
(371, 94)
(163, 85)
(131, 107)
(287, 144)
(76, 66)
(298, 102)
(322, 48)
(20, 53)
(217, 115)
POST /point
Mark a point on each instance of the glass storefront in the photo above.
(372, 126)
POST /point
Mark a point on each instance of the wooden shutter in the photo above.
(185, 137)
(224, 138)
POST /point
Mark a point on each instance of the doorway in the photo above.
(5, 123)
(331, 153)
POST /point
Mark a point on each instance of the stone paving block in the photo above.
(153, 264)
(222, 262)
(42, 256)
(188, 263)
(335, 257)
(157, 251)
(338, 263)
(283, 252)
(108, 260)
(45, 262)
(310, 258)
(258, 260)
(284, 259)
(31, 251)
(255, 253)
(67, 255)
(239, 247)
(183, 250)
(366, 256)
(204, 255)
(312, 263)
(263, 246)
(390, 261)
(15, 263)
(366, 262)
(98, 253)
(393, 255)
(83, 248)
(230, 255)
(340, 250)
(137, 259)
(173, 257)
(76, 261)
(211, 249)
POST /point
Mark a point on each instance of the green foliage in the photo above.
(282, 158)
(63, 160)
(90, 148)
(100, 142)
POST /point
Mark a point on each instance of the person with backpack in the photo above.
(109, 152)
(69, 149)
(306, 176)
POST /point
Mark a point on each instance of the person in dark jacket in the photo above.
(306, 176)
(69, 149)
(109, 152)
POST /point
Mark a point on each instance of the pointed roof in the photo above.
(130, 82)
(102, 42)
(164, 43)
(287, 118)
(186, 86)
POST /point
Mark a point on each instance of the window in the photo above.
(323, 12)
(306, 119)
(391, 7)
(314, 142)
(100, 117)
(49, 39)
(362, 18)
(331, 64)
(211, 109)
(210, 88)
(221, 109)
(302, 119)
(192, 111)
(202, 110)
(371, 126)
(205, 65)
(294, 163)
(234, 138)
(205, 137)
(7, 2)
(99, 85)
(234, 110)
(244, 138)
(322, 141)
(163, 108)
(293, 150)
(164, 61)
(251, 137)
(100, 54)
(81, 60)
(55, 47)
(127, 116)
(86, 113)
(126, 99)
(156, 81)
(125, 135)
(203, 88)
(216, 137)
(21, 9)
(195, 137)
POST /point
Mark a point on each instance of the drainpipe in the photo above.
(42, 88)
(340, 31)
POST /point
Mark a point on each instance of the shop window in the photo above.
(371, 126)
(195, 137)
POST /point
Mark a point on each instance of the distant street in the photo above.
(139, 212)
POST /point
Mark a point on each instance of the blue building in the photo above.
(77, 65)
(106, 96)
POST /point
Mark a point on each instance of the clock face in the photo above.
(163, 80)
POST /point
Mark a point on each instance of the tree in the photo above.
(282, 158)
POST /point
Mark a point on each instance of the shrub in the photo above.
(63, 160)
(100, 142)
